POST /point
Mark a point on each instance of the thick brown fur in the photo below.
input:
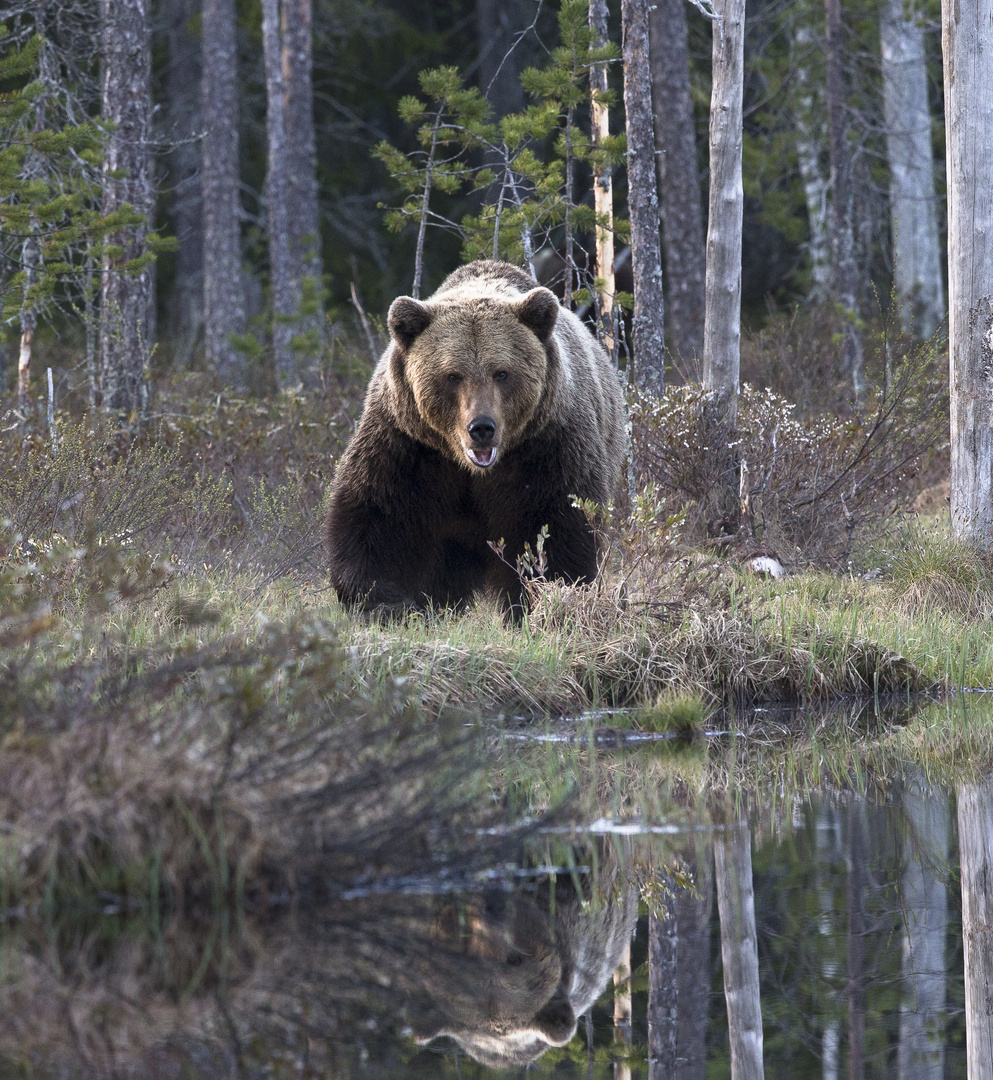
(489, 365)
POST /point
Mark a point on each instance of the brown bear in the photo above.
(490, 410)
(531, 968)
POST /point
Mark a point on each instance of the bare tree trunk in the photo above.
(499, 24)
(967, 47)
(810, 140)
(303, 214)
(920, 291)
(622, 1014)
(739, 946)
(679, 182)
(921, 1051)
(643, 202)
(663, 988)
(693, 970)
(603, 192)
(285, 297)
(126, 328)
(828, 848)
(842, 231)
(29, 323)
(722, 332)
(856, 883)
(223, 294)
(184, 120)
(975, 820)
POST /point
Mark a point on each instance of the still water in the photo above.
(690, 910)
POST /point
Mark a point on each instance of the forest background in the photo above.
(366, 58)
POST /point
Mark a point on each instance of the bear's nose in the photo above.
(482, 430)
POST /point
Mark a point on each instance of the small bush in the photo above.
(807, 489)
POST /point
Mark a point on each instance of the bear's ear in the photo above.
(538, 310)
(408, 318)
(556, 1021)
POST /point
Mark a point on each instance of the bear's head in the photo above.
(474, 369)
(509, 1001)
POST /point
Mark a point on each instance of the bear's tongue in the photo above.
(483, 455)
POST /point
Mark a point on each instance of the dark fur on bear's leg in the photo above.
(490, 410)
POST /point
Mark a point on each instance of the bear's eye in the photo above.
(499, 376)
(454, 379)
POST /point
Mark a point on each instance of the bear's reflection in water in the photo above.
(536, 964)
(503, 972)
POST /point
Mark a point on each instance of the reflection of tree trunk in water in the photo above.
(663, 939)
(827, 842)
(739, 950)
(693, 971)
(975, 817)
(921, 1054)
(857, 845)
(622, 1015)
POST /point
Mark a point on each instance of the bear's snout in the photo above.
(482, 429)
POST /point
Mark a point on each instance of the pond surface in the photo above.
(807, 922)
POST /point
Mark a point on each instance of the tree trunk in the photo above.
(679, 183)
(827, 843)
(643, 203)
(499, 23)
(693, 970)
(975, 820)
(967, 45)
(855, 888)
(663, 988)
(842, 232)
(739, 946)
(184, 119)
(622, 1014)
(810, 141)
(302, 210)
(919, 289)
(921, 1052)
(126, 328)
(722, 331)
(223, 296)
(285, 297)
(603, 192)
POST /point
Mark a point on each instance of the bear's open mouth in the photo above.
(483, 456)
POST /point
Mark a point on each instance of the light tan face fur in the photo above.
(476, 369)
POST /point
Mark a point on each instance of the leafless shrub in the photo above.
(807, 489)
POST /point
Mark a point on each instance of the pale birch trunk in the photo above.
(693, 969)
(975, 821)
(919, 289)
(643, 202)
(302, 209)
(679, 183)
(663, 989)
(603, 192)
(810, 141)
(846, 274)
(283, 288)
(622, 1014)
(921, 1051)
(856, 857)
(184, 118)
(739, 947)
(827, 844)
(967, 46)
(722, 330)
(223, 293)
(29, 323)
(126, 323)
